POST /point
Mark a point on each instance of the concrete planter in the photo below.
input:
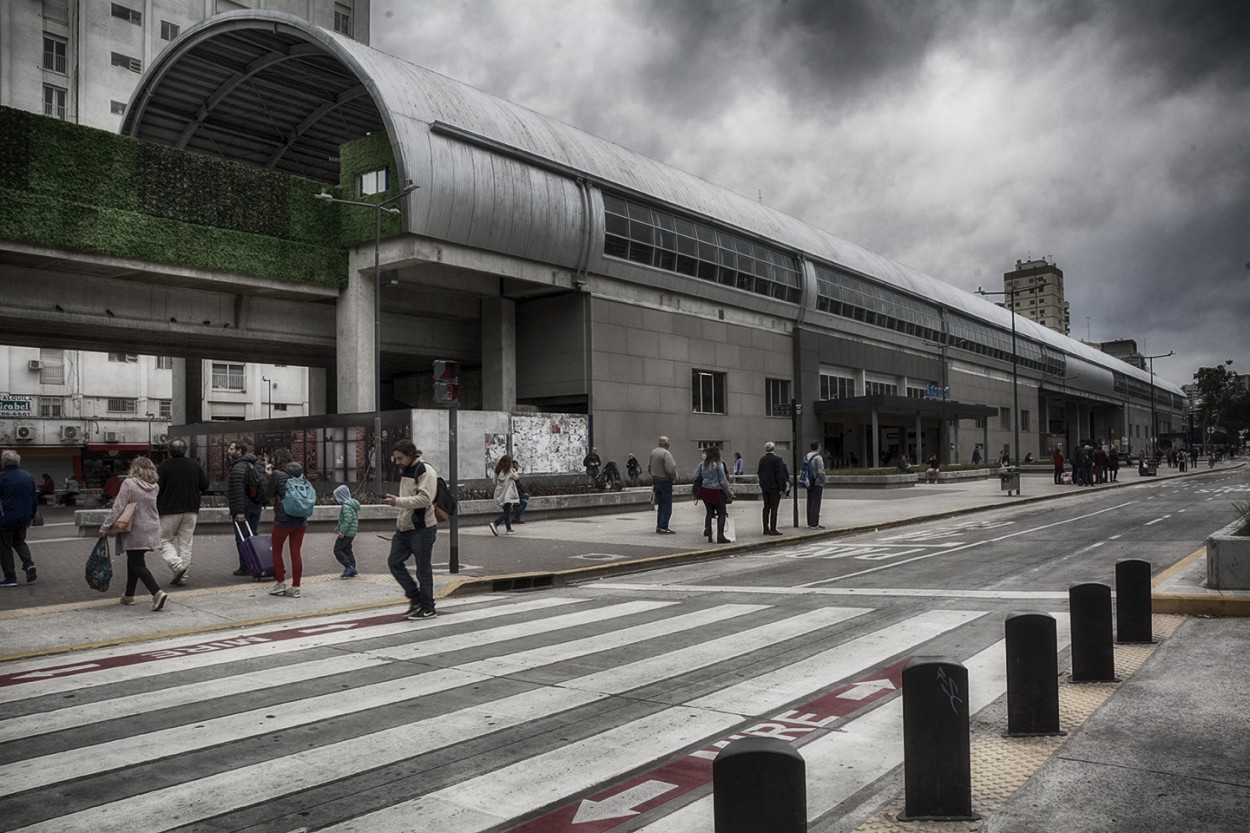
(1228, 560)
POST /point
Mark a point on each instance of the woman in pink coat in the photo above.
(144, 534)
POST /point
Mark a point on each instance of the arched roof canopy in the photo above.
(263, 88)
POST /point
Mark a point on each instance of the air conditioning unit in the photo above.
(33, 364)
(26, 432)
(161, 439)
(112, 437)
(70, 432)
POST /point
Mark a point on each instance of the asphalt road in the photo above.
(587, 708)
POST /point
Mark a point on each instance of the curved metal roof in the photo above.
(274, 90)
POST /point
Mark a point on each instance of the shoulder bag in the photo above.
(125, 519)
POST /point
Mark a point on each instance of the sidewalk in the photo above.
(542, 553)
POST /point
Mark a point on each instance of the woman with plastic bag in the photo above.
(138, 527)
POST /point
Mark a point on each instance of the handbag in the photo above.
(99, 566)
(698, 482)
(124, 520)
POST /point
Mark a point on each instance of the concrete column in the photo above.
(876, 442)
(498, 354)
(317, 397)
(187, 407)
(356, 371)
(920, 449)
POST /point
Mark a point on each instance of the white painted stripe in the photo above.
(551, 654)
(136, 704)
(505, 633)
(204, 798)
(625, 677)
(1002, 595)
(262, 649)
(508, 793)
(819, 671)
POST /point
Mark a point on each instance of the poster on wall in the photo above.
(548, 443)
(496, 447)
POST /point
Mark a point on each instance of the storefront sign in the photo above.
(13, 406)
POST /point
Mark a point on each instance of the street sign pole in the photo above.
(796, 411)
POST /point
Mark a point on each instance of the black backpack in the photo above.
(254, 483)
(445, 503)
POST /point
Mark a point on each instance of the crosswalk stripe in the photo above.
(266, 649)
(524, 787)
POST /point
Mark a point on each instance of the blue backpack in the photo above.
(299, 497)
(805, 475)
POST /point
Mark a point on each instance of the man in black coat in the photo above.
(18, 503)
(182, 481)
(774, 478)
(244, 501)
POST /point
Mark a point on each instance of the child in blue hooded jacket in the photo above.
(349, 525)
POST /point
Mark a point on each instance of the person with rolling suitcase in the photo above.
(256, 551)
(245, 489)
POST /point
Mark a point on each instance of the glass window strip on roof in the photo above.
(645, 235)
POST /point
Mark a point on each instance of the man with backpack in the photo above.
(814, 473)
(245, 489)
(416, 528)
(182, 482)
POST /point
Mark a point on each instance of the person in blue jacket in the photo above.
(18, 501)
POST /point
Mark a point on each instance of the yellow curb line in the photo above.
(1178, 566)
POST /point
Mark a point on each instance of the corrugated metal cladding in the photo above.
(271, 89)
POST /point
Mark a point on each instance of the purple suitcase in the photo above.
(257, 552)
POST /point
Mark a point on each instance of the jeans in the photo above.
(520, 507)
(505, 517)
(14, 538)
(294, 534)
(343, 552)
(252, 518)
(663, 503)
(772, 500)
(814, 494)
(137, 571)
(419, 543)
(176, 534)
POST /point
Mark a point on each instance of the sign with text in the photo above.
(15, 405)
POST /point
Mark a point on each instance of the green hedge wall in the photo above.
(76, 187)
(357, 157)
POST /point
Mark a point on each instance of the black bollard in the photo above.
(1132, 601)
(937, 761)
(759, 784)
(1032, 675)
(1093, 655)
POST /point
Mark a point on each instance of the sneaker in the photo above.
(518, 522)
(413, 609)
(179, 572)
(278, 589)
(158, 599)
(772, 532)
(9, 582)
(493, 530)
(181, 581)
(421, 614)
(292, 592)
(242, 571)
(128, 600)
(31, 575)
(511, 531)
(350, 572)
(665, 531)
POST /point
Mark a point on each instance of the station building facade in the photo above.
(567, 273)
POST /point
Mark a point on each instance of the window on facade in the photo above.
(227, 376)
(777, 397)
(1024, 421)
(164, 362)
(123, 357)
(708, 391)
(836, 387)
(343, 19)
(703, 445)
(54, 50)
(118, 108)
(164, 408)
(127, 62)
(53, 101)
(916, 393)
(169, 31)
(373, 182)
(56, 10)
(51, 406)
(872, 388)
(279, 406)
(127, 14)
(123, 406)
(652, 237)
(1004, 419)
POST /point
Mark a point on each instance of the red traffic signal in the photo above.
(446, 392)
(446, 371)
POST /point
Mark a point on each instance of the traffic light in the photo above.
(446, 383)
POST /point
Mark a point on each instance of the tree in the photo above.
(1219, 398)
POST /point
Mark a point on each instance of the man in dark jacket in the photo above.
(244, 491)
(182, 481)
(18, 502)
(774, 478)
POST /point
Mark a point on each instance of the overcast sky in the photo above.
(1110, 136)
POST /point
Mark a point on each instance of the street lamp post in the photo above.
(1154, 420)
(378, 208)
(150, 417)
(268, 395)
(1015, 365)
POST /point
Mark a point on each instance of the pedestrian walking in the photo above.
(182, 481)
(523, 498)
(815, 485)
(245, 490)
(416, 528)
(288, 528)
(663, 470)
(142, 531)
(592, 462)
(349, 525)
(976, 455)
(774, 479)
(19, 501)
(1057, 459)
(713, 481)
(69, 495)
(507, 494)
(633, 469)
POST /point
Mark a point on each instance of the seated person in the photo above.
(931, 473)
(111, 487)
(70, 498)
(47, 489)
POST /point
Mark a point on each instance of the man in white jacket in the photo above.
(416, 529)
